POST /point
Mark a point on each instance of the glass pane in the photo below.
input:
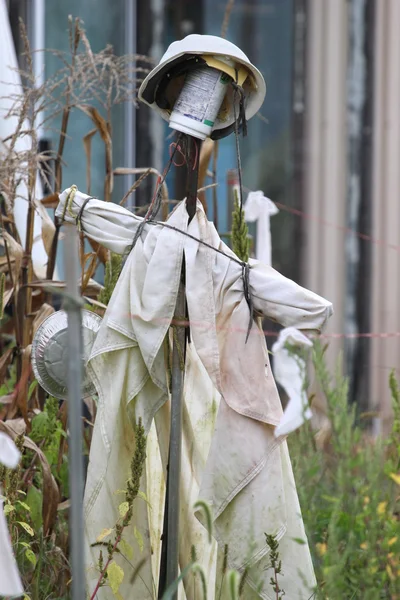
(100, 32)
(264, 31)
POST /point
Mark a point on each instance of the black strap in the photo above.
(78, 219)
(175, 70)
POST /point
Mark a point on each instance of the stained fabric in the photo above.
(231, 458)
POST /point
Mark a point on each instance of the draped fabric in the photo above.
(231, 458)
(260, 209)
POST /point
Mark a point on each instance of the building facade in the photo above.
(325, 147)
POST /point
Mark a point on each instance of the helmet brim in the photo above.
(148, 89)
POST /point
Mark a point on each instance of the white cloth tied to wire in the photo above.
(230, 456)
(260, 209)
(290, 373)
(10, 580)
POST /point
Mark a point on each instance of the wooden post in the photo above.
(169, 567)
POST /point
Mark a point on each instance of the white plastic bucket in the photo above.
(199, 102)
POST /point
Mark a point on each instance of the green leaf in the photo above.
(103, 534)
(64, 477)
(8, 509)
(233, 580)
(30, 555)
(329, 498)
(198, 569)
(169, 594)
(34, 500)
(27, 528)
(126, 549)
(143, 496)
(115, 576)
(40, 427)
(32, 388)
(299, 541)
(24, 505)
(123, 508)
(201, 505)
(139, 539)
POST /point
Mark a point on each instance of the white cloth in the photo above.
(290, 371)
(10, 580)
(260, 209)
(231, 457)
(10, 86)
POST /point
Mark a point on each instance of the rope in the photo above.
(68, 202)
(183, 151)
(78, 219)
(244, 266)
(193, 237)
(238, 90)
(247, 295)
(156, 202)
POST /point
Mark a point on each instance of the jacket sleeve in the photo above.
(286, 302)
(109, 224)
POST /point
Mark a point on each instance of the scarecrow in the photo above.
(231, 458)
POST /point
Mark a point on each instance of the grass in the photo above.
(349, 492)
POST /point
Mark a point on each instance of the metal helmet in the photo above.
(162, 86)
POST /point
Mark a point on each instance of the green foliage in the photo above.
(240, 231)
(200, 504)
(109, 572)
(41, 559)
(275, 565)
(113, 270)
(349, 492)
(2, 290)
(350, 498)
(47, 431)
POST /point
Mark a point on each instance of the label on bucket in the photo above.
(202, 95)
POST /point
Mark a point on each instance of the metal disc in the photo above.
(50, 352)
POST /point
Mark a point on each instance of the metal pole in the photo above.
(175, 443)
(75, 446)
(170, 546)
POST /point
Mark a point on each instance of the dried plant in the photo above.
(92, 83)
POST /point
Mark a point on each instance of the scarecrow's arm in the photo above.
(109, 224)
(282, 300)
